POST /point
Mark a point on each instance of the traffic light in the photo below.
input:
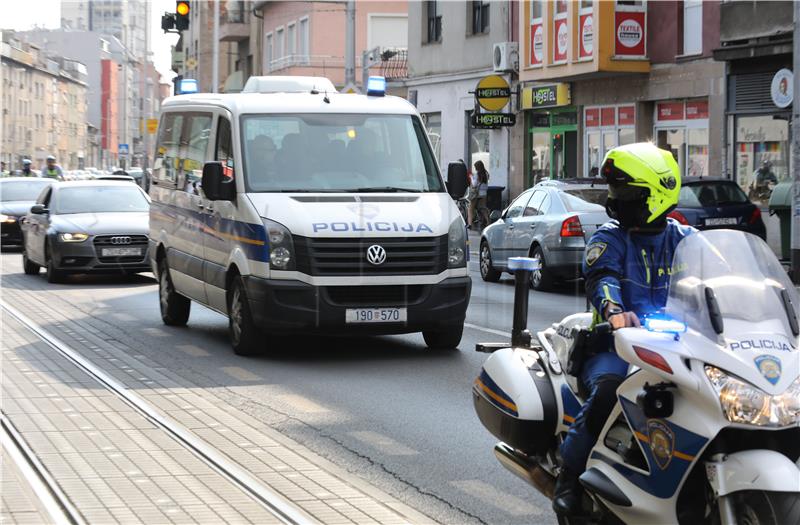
(168, 22)
(182, 15)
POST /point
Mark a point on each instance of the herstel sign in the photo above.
(493, 120)
(493, 93)
(550, 96)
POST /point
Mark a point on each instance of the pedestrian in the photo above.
(3, 170)
(53, 170)
(481, 190)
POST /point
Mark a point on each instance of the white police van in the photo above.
(292, 208)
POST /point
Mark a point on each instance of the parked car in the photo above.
(552, 222)
(87, 226)
(17, 195)
(710, 204)
(117, 177)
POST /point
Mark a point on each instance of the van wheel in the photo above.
(30, 267)
(445, 338)
(246, 338)
(175, 308)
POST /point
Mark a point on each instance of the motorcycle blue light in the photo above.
(376, 86)
(523, 263)
(664, 325)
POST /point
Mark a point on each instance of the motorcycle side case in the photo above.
(515, 401)
(560, 339)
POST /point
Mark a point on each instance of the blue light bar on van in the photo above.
(187, 86)
(376, 86)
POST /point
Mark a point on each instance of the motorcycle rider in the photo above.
(26, 169)
(627, 264)
(52, 170)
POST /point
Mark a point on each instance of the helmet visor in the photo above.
(626, 193)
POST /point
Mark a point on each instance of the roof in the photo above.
(583, 182)
(696, 180)
(95, 183)
(243, 103)
(24, 179)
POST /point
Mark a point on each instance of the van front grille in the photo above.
(369, 296)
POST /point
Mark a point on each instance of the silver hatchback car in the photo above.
(552, 222)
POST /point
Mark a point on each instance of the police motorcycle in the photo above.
(707, 424)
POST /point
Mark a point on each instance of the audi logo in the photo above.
(120, 240)
(376, 255)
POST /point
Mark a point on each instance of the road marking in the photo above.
(192, 350)
(488, 330)
(384, 444)
(303, 404)
(240, 373)
(488, 494)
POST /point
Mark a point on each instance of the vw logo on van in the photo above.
(120, 240)
(376, 255)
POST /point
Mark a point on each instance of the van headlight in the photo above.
(281, 247)
(457, 244)
(744, 403)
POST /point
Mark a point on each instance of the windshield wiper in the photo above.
(385, 189)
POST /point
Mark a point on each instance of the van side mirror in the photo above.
(495, 215)
(216, 186)
(456, 180)
(38, 209)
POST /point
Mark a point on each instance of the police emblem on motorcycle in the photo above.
(770, 368)
(594, 251)
(662, 442)
(376, 255)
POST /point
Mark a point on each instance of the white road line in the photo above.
(240, 373)
(488, 330)
(192, 350)
(488, 494)
(384, 444)
(300, 403)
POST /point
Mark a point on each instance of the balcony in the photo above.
(234, 18)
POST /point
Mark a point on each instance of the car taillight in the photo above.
(678, 216)
(572, 227)
(755, 217)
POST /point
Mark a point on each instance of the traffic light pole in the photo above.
(215, 52)
(795, 164)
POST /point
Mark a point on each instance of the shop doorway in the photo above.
(552, 146)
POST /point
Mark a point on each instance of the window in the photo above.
(692, 27)
(762, 154)
(224, 145)
(480, 17)
(196, 148)
(535, 205)
(561, 7)
(433, 123)
(518, 205)
(165, 167)
(302, 41)
(268, 53)
(434, 18)
(291, 40)
(279, 54)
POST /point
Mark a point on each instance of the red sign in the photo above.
(560, 39)
(629, 34)
(697, 109)
(537, 43)
(607, 116)
(586, 44)
(592, 118)
(670, 110)
(626, 115)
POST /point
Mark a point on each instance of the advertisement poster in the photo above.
(586, 23)
(561, 40)
(626, 115)
(537, 44)
(697, 109)
(630, 34)
(669, 111)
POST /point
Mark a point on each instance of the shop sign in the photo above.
(587, 36)
(493, 120)
(592, 118)
(152, 125)
(630, 33)
(626, 115)
(782, 89)
(561, 36)
(537, 44)
(670, 111)
(564, 119)
(696, 109)
(493, 93)
(607, 116)
(549, 96)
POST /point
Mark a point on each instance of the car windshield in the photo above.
(585, 199)
(100, 199)
(710, 194)
(337, 153)
(750, 287)
(22, 190)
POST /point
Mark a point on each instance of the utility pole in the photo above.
(350, 44)
(215, 53)
(795, 164)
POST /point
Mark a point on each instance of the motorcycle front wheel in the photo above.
(756, 507)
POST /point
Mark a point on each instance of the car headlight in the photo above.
(73, 237)
(7, 218)
(281, 247)
(457, 244)
(744, 403)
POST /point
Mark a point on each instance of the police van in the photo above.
(292, 208)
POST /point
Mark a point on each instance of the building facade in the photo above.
(193, 55)
(127, 20)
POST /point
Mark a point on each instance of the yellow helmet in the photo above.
(643, 173)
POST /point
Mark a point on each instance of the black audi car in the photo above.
(87, 227)
(17, 195)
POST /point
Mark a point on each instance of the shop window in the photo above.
(478, 146)
(434, 21)
(593, 153)
(480, 16)
(433, 124)
(692, 27)
(627, 136)
(762, 155)
(697, 152)
(540, 156)
(673, 140)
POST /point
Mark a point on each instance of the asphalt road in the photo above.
(384, 408)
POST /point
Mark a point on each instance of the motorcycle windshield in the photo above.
(751, 290)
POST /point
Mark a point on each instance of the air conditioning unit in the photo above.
(505, 56)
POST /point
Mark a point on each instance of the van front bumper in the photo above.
(286, 306)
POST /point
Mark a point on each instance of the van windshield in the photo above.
(337, 153)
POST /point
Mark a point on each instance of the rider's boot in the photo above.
(568, 494)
